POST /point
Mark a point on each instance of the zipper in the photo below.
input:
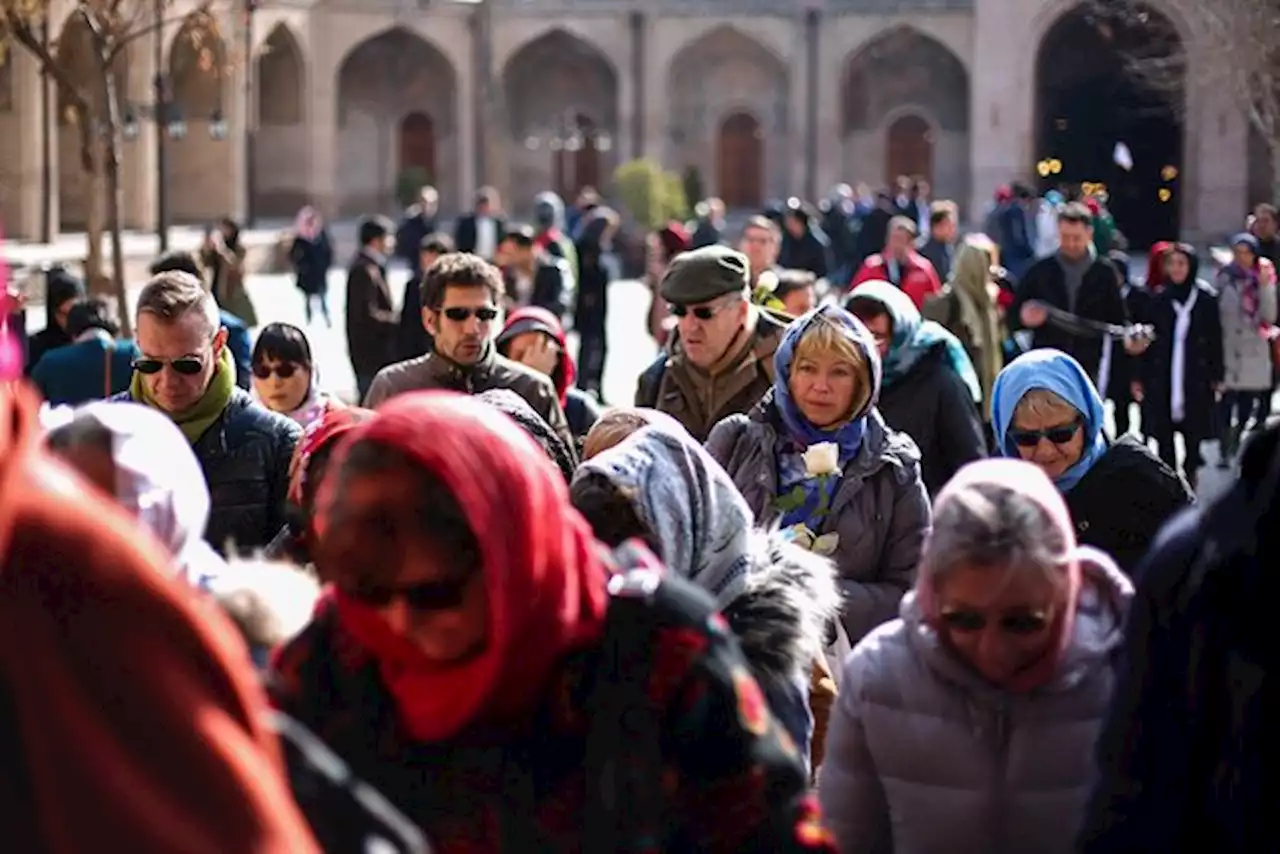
(1000, 733)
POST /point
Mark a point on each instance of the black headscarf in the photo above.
(519, 410)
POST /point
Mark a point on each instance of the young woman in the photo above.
(1247, 306)
(284, 375)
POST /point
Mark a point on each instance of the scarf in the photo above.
(804, 497)
(1030, 481)
(536, 319)
(200, 417)
(545, 578)
(1055, 371)
(979, 315)
(688, 502)
(914, 337)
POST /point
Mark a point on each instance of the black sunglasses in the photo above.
(444, 595)
(459, 314)
(284, 370)
(1021, 623)
(1057, 435)
(187, 365)
(702, 312)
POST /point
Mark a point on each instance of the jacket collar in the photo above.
(451, 374)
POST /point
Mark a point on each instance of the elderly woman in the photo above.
(972, 725)
(929, 388)
(478, 659)
(815, 457)
(1047, 411)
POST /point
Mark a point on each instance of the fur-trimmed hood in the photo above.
(782, 620)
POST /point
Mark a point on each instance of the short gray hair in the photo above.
(994, 526)
(173, 294)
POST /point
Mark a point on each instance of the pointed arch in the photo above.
(280, 78)
(198, 67)
(902, 66)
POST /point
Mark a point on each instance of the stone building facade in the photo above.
(762, 98)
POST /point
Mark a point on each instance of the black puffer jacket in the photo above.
(933, 406)
(245, 459)
(1122, 502)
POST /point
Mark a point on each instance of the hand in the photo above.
(542, 355)
(1135, 391)
(1033, 315)
(1136, 346)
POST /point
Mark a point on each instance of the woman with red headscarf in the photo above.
(973, 723)
(535, 338)
(508, 683)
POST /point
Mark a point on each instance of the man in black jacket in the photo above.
(187, 372)
(1074, 280)
(480, 231)
(534, 277)
(373, 326)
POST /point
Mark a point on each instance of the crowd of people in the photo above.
(862, 568)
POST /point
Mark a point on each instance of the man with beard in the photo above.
(461, 295)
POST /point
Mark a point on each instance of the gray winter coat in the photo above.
(925, 756)
(1246, 355)
(880, 510)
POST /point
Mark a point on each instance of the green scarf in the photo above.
(195, 421)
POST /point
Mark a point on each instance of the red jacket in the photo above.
(918, 280)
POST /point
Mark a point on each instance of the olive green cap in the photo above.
(704, 274)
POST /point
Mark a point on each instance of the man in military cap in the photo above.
(721, 361)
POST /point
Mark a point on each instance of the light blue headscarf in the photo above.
(687, 501)
(1055, 371)
(913, 337)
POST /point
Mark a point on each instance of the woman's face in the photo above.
(999, 620)
(823, 386)
(1177, 267)
(1243, 255)
(282, 386)
(374, 524)
(1053, 440)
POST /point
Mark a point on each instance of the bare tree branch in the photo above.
(20, 29)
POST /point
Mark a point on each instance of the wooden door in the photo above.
(909, 150)
(573, 169)
(418, 144)
(740, 162)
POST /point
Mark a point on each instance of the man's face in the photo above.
(900, 241)
(708, 328)
(1074, 239)
(427, 259)
(796, 226)
(484, 207)
(945, 231)
(1264, 224)
(761, 249)
(181, 345)
(800, 301)
(61, 312)
(382, 245)
(463, 324)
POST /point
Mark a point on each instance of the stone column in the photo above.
(635, 145)
(322, 114)
(26, 203)
(238, 119)
(139, 171)
(812, 95)
(1001, 104)
(469, 179)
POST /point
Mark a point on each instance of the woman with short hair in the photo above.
(284, 375)
(1048, 412)
(972, 724)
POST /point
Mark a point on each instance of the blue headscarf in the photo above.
(913, 336)
(1055, 371)
(799, 433)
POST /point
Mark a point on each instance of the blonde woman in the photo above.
(815, 457)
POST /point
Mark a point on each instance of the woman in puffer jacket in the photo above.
(969, 724)
(661, 486)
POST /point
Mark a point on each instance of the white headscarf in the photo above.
(158, 479)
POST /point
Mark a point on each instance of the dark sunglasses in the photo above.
(187, 366)
(284, 370)
(459, 314)
(1057, 435)
(702, 312)
(427, 596)
(1020, 623)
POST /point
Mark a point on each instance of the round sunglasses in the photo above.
(188, 366)
(284, 370)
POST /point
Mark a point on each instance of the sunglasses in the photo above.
(1019, 623)
(1057, 435)
(702, 312)
(444, 595)
(459, 314)
(284, 370)
(188, 366)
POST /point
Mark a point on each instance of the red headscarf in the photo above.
(546, 582)
(536, 319)
(1155, 265)
(333, 425)
(1032, 482)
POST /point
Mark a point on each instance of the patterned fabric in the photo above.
(730, 778)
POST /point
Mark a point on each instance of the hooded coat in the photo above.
(777, 597)
(60, 286)
(580, 408)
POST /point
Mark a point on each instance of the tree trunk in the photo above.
(1273, 148)
(115, 199)
(91, 162)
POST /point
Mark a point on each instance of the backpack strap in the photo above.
(623, 764)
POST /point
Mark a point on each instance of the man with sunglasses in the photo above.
(721, 362)
(461, 296)
(186, 371)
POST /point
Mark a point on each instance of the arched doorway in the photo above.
(908, 149)
(199, 164)
(1130, 92)
(891, 84)
(280, 179)
(397, 96)
(418, 144)
(562, 99)
(740, 161)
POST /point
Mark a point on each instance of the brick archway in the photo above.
(909, 149)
